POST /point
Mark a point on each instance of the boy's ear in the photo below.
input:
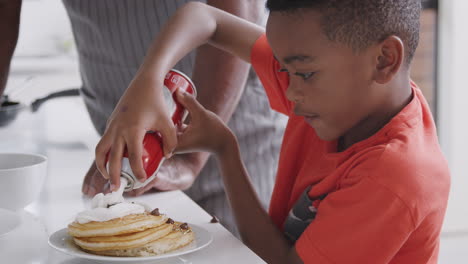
(390, 56)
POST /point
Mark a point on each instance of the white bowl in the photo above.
(21, 179)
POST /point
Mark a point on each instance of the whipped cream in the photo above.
(110, 206)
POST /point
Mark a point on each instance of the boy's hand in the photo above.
(206, 131)
(142, 108)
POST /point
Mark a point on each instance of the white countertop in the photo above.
(62, 131)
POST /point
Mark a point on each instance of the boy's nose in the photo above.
(294, 93)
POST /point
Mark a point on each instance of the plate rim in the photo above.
(85, 255)
(17, 220)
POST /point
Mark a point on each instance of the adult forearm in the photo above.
(9, 28)
(220, 75)
(255, 226)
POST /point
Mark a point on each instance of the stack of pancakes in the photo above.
(134, 235)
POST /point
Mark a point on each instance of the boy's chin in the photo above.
(326, 135)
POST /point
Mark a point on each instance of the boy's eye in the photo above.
(304, 75)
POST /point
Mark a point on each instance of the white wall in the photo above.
(453, 106)
(45, 47)
(45, 29)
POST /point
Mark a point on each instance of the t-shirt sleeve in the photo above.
(274, 82)
(363, 223)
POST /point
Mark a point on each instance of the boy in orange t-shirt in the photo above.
(361, 178)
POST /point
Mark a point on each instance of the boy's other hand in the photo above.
(206, 131)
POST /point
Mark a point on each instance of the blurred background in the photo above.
(45, 61)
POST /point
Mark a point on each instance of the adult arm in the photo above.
(9, 29)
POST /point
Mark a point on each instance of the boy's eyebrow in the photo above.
(300, 58)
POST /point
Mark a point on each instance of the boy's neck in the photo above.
(398, 95)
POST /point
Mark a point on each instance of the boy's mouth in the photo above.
(311, 119)
(306, 115)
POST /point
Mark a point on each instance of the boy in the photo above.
(361, 178)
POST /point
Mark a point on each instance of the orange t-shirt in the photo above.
(385, 197)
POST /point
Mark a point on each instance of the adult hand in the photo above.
(94, 183)
(141, 109)
(176, 173)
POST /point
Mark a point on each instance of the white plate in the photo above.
(63, 242)
(9, 221)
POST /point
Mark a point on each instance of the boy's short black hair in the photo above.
(360, 23)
